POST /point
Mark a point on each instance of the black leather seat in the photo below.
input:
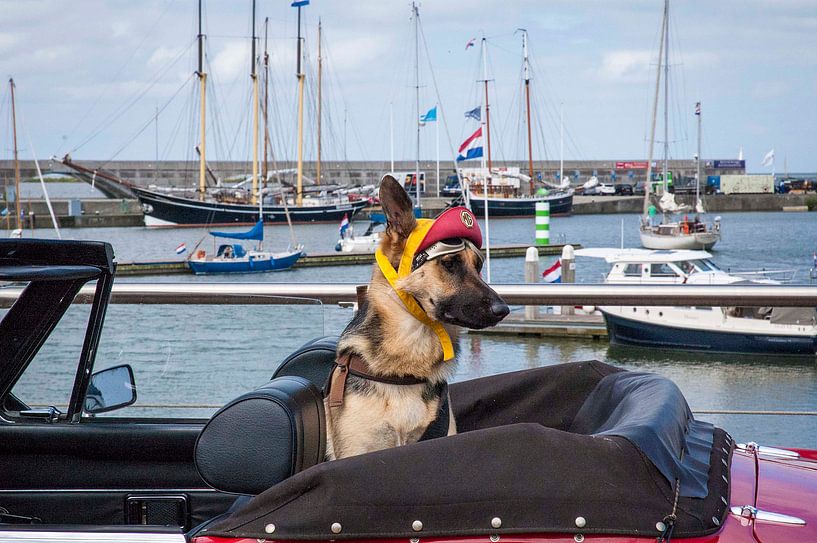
(263, 437)
(267, 435)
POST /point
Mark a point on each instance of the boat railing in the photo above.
(211, 293)
(781, 276)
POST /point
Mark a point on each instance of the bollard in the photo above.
(542, 223)
(568, 273)
(531, 276)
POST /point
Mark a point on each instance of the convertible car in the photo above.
(572, 452)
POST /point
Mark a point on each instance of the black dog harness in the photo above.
(350, 363)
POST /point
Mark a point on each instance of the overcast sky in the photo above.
(91, 74)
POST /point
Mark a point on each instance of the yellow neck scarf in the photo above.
(413, 241)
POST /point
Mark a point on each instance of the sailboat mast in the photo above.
(561, 144)
(320, 67)
(487, 114)
(299, 190)
(254, 76)
(526, 72)
(487, 177)
(202, 112)
(648, 184)
(698, 173)
(265, 170)
(17, 205)
(417, 95)
(666, 93)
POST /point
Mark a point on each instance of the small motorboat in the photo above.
(234, 258)
(733, 329)
(368, 242)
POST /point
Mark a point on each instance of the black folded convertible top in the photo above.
(575, 448)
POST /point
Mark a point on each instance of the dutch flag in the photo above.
(181, 248)
(472, 147)
(344, 224)
(554, 273)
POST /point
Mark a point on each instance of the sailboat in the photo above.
(18, 211)
(502, 190)
(672, 234)
(232, 205)
(232, 257)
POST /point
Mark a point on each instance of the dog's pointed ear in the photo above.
(397, 206)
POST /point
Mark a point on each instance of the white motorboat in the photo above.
(368, 242)
(738, 329)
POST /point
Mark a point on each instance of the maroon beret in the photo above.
(455, 222)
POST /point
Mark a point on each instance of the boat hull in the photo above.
(168, 210)
(695, 241)
(623, 331)
(244, 265)
(560, 204)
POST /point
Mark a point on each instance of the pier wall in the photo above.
(716, 203)
(349, 173)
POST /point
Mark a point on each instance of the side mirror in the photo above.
(109, 389)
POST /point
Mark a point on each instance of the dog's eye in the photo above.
(451, 263)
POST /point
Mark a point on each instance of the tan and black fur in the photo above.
(377, 415)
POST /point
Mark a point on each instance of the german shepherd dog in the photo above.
(393, 345)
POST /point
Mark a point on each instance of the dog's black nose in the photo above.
(500, 309)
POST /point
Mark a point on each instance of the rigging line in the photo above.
(24, 126)
(439, 100)
(123, 109)
(176, 127)
(334, 88)
(148, 124)
(154, 27)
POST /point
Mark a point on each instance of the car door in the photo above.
(59, 464)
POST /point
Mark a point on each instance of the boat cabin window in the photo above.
(705, 265)
(662, 269)
(632, 270)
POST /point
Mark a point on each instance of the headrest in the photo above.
(314, 361)
(455, 222)
(263, 437)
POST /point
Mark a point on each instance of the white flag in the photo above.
(768, 159)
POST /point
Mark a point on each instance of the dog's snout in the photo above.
(500, 309)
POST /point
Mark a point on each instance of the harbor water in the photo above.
(194, 358)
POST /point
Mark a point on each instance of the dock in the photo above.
(173, 267)
(549, 325)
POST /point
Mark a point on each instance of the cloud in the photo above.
(626, 65)
(162, 56)
(232, 60)
(768, 89)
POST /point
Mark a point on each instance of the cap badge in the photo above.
(466, 218)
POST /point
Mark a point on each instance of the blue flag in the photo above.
(300, 3)
(430, 116)
(475, 114)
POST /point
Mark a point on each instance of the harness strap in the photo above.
(351, 363)
(439, 426)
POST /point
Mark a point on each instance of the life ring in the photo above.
(200, 253)
(685, 227)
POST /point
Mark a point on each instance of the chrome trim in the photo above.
(767, 451)
(749, 512)
(33, 536)
(516, 294)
